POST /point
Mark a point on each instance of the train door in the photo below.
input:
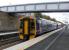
(26, 28)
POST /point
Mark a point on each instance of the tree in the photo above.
(46, 17)
(38, 15)
(53, 19)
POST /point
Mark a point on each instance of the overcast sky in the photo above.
(59, 16)
(63, 17)
(12, 2)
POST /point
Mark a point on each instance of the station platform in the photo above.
(54, 42)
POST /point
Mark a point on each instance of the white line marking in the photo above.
(8, 33)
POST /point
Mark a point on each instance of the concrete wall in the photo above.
(7, 22)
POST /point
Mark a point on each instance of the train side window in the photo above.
(21, 23)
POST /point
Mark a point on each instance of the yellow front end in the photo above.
(27, 28)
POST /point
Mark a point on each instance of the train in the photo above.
(31, 27)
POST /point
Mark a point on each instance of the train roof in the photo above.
(48, 21)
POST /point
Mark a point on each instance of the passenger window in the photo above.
(21, 23)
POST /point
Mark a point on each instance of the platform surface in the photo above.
(61, 43)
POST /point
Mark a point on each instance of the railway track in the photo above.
(9, 42)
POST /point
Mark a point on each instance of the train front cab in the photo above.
(28, 27)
